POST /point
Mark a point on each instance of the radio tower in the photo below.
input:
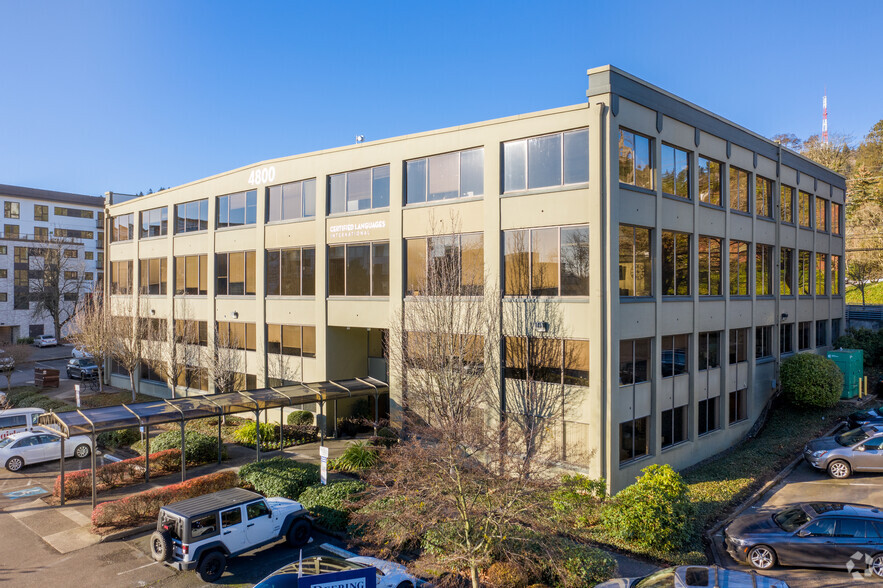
(825, 117)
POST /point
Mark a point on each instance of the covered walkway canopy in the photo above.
(92, 421)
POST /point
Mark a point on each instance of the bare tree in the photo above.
(128, 332)
(226, 365)
(91, 331)
(173, 357)
(57, 280)
(12, 356)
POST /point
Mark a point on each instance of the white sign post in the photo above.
(323, 470)
(77, 390)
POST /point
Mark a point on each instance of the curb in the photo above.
(709, 535)
(126, 533)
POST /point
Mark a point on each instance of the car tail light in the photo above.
(185, 548)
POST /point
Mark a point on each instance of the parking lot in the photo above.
(805, 484)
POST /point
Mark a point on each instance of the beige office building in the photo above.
(685, 254)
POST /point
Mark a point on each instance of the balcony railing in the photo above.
(31, 238)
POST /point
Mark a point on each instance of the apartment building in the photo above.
(34, 220)
(685, 255)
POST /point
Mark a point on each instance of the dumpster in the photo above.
(850, 362)
(45, 378)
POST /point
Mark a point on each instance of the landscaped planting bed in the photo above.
(117, 474)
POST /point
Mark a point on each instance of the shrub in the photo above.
(352, 426)
(356, 457)
(578, 497)
(585, 566)
(810, 380)
(121, 473)
(280, 476)
(654, 513)
(300, 417)
(120, 438)
(506, 574)
(25, 340)
(27, 400)
(329, 503)
(201, 448)
(144, 507)
(246, 434)
(48, 404)
(871, 342)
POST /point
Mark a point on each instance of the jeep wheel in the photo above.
(13, 464)
(211, 566)
(161, 545)
(299, 533)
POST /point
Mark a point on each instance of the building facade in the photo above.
(36, 220)
(685, 256)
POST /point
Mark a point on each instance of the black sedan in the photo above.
(825, 535)
(83, 368)
(873, 416)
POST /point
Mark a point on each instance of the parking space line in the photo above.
(153, 563)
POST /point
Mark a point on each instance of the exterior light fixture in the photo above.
(235, 314)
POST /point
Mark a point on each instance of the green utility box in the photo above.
(851, 364)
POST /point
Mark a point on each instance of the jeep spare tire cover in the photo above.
(161, 545)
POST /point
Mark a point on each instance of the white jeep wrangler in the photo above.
(201, 533)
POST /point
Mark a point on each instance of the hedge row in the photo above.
(246, 435)
(144, 507)
(121, 473)
(280, 476)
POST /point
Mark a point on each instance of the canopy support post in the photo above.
(146, 453)
(61, 490)
(281, 437)
(335, 419)
(94, 491)
(257, 428)
(323, 423)
(183, 454)
(376, 410)
(219, 440)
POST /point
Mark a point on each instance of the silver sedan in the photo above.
(21, 449)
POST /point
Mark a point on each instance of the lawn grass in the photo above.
(115, 398)
(873, 294)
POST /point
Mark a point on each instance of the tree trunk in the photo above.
(132, 381)
(473, 570)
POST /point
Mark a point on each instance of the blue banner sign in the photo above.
(363, 578)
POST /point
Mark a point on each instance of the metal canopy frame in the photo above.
(92, 421)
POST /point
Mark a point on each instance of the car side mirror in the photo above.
(860, 448)
(803, 533)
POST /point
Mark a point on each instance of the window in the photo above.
(786, 338)
(709, 350)
(786, 272)
(763, 341)
(709, 266)
(738, 345)
(709, 181)
(803, 330)
(739, 199)
(675, 263)
(76, 234)
(835, 330)
(11, 209)
(835, 218)
(738, 268)
(675, 171)
(559, 361)
(634, 361)
(835, 275)
(154, 222)
(235, 273)
(231, 517)
(123, 227)
(738, 406)
(70, 253)
(635, 165)
(291, 201)
(804, 273)
(821, 274)
(787, 204)
(3, 273)
(150, 375)
(359, 190)
(41, 212)
(73, 212)
(237, 335)
(358, 269)
(291, 272)
(541, 162)
(153, 275)
(821, 214)
(89, 255)
(41, 233)
(821, 333)
(708, 416)
(441, 177)
(257, 509)
(3, 297)
(763, 269)
(446, 265)
(121, 277)
(552, 261)
(3, 250)
(194, 378)
(291, 340)
(804, 214)
(191, 275)
(237, 210)
(191, 332)
(70, 275)
(633, 439)
(191, 216)
(10, 231)
(635, 269)
(674, 426)
(763, 196)
(675, 354)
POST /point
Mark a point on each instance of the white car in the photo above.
(45, 341)
(389, 574)
(6, 362)
(696, 576)
(38, 445)
(80, 353)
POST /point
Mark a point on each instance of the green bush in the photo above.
(653, 513)
(585, 566)
(121, 438)
(280, 476)
(328, 503)
(201, 448)
(28, 400)
(300, 417)
(810, 380)
(507, 574)
(246, 434)
(871, 342)
(357, 456)
(25, 340)
(577, 497)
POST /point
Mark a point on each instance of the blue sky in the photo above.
(128, 96)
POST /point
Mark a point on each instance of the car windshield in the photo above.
(661, 579)
(789, 520)
(850, 438)
(6, 442)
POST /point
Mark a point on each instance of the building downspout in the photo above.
(601, 111)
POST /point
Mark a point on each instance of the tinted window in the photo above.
(661, 579)
(851, 528)
(205, 525)
(231, 517)
(789, 520)
(821, 528)
(257, 509)
(873, 444)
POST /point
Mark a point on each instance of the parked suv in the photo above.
(82, 369)
(201, 533)
(858, 450)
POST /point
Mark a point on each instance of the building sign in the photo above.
(362, 578)
(339, 231)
